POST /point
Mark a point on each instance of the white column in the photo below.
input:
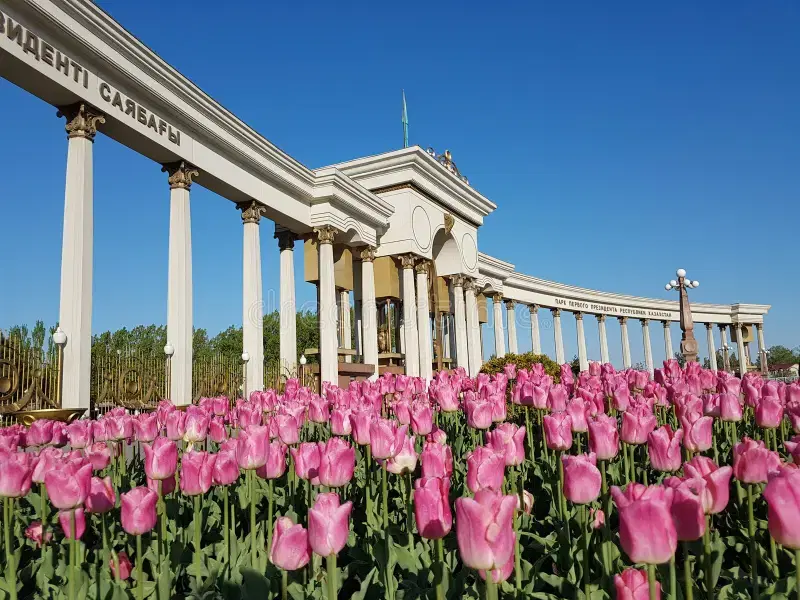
(499, 334)
(328, 357)
(557, 334)
(648, 349)
(369, 309)
(345, 322)
(473, 328)
(411, 346)
(252, 298)
(668, 340)
(601, 328)
(740, 345)
(358, 329)
(288, 307)
(626, 344)
(179, 290)
(446, 325)
(582, 358)
(712, 351)
(424, 322)
(460, 319)
(536, 342)
(75, 308)
(762, 348)
(511, 321)
(723, 338)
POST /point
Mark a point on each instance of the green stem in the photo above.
(226, 524)
(139, 569)
(651, 582)
(561, 512)
(707, 558)
(517, 547)
(284, 584)
(410, 512)
(687, 573)
(251, 488)
(368, 484)
(797, 572)
(673, 585)
(198, 524)
(73, 555)
(626, 461)
(751, 530)
(332, 572)
(586, 534)
(270, 514)
(491, 587)
(386, 538)
(45, 514)
(11, 570)
(528, 432)
(440, 582)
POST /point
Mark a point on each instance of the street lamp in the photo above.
(688, 343)
(60, 339)
(169, 350)
(245, 360)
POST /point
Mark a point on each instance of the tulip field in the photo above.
(608, 484)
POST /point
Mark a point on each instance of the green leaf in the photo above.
(254, 585)
(405, 559)
(361, 594)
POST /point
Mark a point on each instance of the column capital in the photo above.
(578, 316)
(286, 239)
(757, 326)
(325, 234)
(510, 304)
(645, 322)
(469, 285)
(367, 254)
(82, 120)
(533, 309)
(600, 318)
(458, 280)
(496, 297)
(407, 261)
(556, 312)
(666, 324)
(180, 174)
(622, 320)
(251, 211)
(423, 266)
(709, 326)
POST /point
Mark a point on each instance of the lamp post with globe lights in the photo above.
(169, 350)
(688, 342)
(245, 360)
(60, 340)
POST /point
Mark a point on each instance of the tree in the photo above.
(781, 355)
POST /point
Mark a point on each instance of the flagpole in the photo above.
(405, 122)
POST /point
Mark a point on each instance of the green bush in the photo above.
(523, 361)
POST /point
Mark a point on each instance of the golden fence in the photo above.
(28, 377)
(131, 380)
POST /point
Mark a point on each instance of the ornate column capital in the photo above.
(600, 318)
(533, 309)
(497, 297)
(645, 322)
(757, 326)
(666, 324)
(469, 285)
(423, 266)
(407, 261)
(286, 239)
(458, 280)
(251, 211)
(578, 316)
(180, 174)
(622, 320)
(556, 312)
(510, 304)
(82, 120)
(325, 234)
(367, 254)
(709, 326)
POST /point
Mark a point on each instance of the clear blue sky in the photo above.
(620, 141)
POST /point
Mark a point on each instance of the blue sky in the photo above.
(619, 143)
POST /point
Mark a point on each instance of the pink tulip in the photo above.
(276, 461)
(769, 413)
(337, 463)
(49, 458)
(527, 502)
(99, 455)
(717, 481)
(226, 468)
(437, 460)
(603, 437)
(557, 398)
(597, 518)
(730, 409)
(16, 472)
(34, 533)
(637, 423)
(251, 449)
(146, 427)
(288, 429)
(479, 414)
(290, 550)
(217, 431)
(40, 433)
(386, 438)
(558, 431)
(197, 469)
(79, 434)
(101, 498)
(484, 528)
(164, 487)
(176, 425)
(783, 505)
(421, 418)
(319, 410)
(119, 427)
(581, 478)
(633, 585)
(698, 432)
(437, 435)
(646, 531)
(340, 422)
(138, 513)
(792, 410)
(501, 574)
(68, 486)
(328, 524)
(361, 421)
(402, 410)
(752, 462)
(485, 469)
(160, 458)
(687, 508)
(306, 458)
(65, 519)
(664, 449)
(432, 507)
(125, 566)
(576, 409)
(196, 424)
(509, 440)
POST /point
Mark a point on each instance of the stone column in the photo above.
(511, 320)
(473, 328)
(557, 333)
(369, 309)
(667, 340)
(75, 308)
(726, 357)
(411, 346)
(712, 351)
(345, 322)
(179, 290)
(536, 342)
(626, 344)
(601, 328)
(460, 320)
(648, 349)
(358, 329)
(328, 356)
(499, 334)
(424, 321)
(252, 295)
(762, 348)
(582, 358)
(740, 345)
(288, 307)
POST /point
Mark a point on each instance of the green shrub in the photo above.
(523, 361)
